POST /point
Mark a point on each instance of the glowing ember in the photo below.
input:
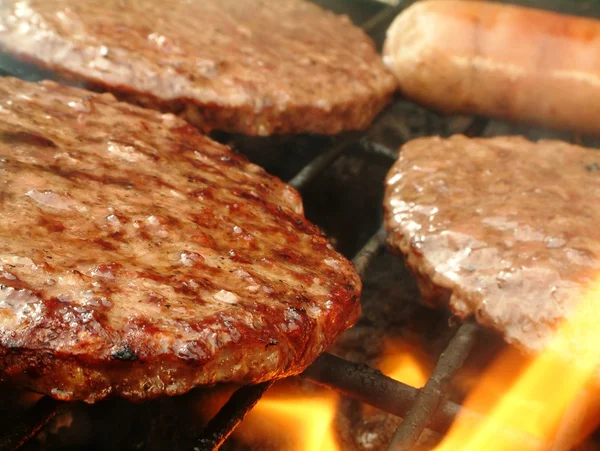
(305, 422)
(536, 404)
(404, 363)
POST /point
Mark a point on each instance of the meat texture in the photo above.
(504, 229)
(506, 61)
(256, 67)
(140, 258)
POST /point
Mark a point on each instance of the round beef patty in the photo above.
(256, 67)
(140, 258)
(504, 229)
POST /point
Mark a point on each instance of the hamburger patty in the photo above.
(256, 67)
(504, 229)
(140, 258)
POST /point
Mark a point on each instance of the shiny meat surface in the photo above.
(504, 229)
(140, 258)
(256, 67)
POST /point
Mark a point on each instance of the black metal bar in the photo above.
(369, 250)
(430, 396)
(230, 416)
(378, 149)
(360, 381)
(26, 427)
(476, 127)
(309, 172)
(366, 384)
(384, 16)
(314, 168)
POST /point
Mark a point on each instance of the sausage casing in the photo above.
(510, 62)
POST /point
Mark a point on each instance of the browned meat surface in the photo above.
(139, 258)
(256, 67)
(504, 229)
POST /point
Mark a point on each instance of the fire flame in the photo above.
(305, 421)
(404, 363)
(538, 403)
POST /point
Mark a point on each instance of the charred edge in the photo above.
(126, 354)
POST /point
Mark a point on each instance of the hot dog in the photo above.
(502, 61)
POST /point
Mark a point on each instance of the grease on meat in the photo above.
(504, 229)
(139, 257)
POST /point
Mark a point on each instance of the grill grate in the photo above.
(420, 408)
(30, 424)
(428, 400)
(231, 415)
(354, 380)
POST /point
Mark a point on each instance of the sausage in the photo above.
(504, 61)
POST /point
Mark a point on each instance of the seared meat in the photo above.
(138, 257)
(503, 228)
(256, 67)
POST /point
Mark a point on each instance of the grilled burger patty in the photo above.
(256, 67)
(139, 257)
(504, 229)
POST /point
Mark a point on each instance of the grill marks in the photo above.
(51, 224)
(157, 259)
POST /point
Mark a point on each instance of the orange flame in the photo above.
(404, 363)
(540, 403)
(306, 422)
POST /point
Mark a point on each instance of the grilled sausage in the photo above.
(503, 61)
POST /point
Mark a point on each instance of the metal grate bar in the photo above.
(476, 127)
(368, 252)
(378, 149)
(430, 396)
(309, 172)
(360, 381)
(312, 170)
(29, 425)
(379, 19)
(320, 163)
(230, 416)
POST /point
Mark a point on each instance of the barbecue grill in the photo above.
(311, 157)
